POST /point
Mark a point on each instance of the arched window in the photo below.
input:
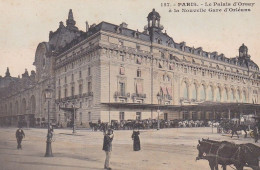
(202, 93)
(238, 95)
(185, 90)
(11, 109)
(16, 107)
(23, 106)
(33, 104)
(210, 93)
(232, 96)
(225, 95)
(244, 97)
(193, 92)
(218, 97)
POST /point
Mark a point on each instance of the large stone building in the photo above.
(111, 72)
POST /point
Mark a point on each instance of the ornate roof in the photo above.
(153, 14)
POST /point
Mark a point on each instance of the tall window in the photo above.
(65, 92)
(238, 95)
(138, 115)
(138, 73)
(121, 116)
(89, 116)
(139, 88)
(202, 93)
(72, 91)
(89, 86)
(80, 89)
(122, 58)
(65, 79)
(122, 88)
(193, 92)
(80, 74)
(210, 93)
(59, 94)
(72, 77)
(122, 70)
(218, 97)
(225, 93)
(232, 97)
(80, 118)
(185, 90)
(89, 71)
(244, 97)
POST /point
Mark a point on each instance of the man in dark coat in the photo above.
(136, 139)
(19, 137)
(107, 146)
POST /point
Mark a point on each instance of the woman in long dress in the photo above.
(136, 140)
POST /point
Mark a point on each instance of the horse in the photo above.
(208, 151)
(93, 126)
(229, 153)
(239, 128)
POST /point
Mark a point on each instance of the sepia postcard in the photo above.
(127, 84)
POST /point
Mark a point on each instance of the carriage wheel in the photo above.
(252, 134)
(225, 131)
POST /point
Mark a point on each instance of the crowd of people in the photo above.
(152, 124)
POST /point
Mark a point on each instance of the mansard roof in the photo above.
(157, 37)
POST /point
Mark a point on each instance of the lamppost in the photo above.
(74, 125)
(158, 111)
(48, 96)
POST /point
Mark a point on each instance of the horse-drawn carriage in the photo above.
(255, 128)
(228, 153)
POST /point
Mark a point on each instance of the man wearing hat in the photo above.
(19, 136)
(107, 146)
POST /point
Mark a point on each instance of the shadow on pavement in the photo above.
(57, 165)
(72, 156)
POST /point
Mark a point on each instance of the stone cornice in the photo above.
(75, 57)
(127, 50)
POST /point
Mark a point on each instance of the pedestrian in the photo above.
(19, 137)
(136, 140)
(107, 146)
(256, 131)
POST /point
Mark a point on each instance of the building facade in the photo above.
(110, 72)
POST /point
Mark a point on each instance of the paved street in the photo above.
(173, 149)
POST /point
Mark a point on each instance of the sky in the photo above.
(26, 23)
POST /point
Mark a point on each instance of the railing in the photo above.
(139, 95)
(119, 94)
(74, 97)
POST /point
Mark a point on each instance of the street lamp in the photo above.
(74, 125)
(158, 111)
(48, 96)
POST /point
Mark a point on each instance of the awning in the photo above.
(163, 89)
(139, 88)
(244, 108)
(169, 90)
(122, 70)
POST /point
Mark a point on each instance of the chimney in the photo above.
(87, 26)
